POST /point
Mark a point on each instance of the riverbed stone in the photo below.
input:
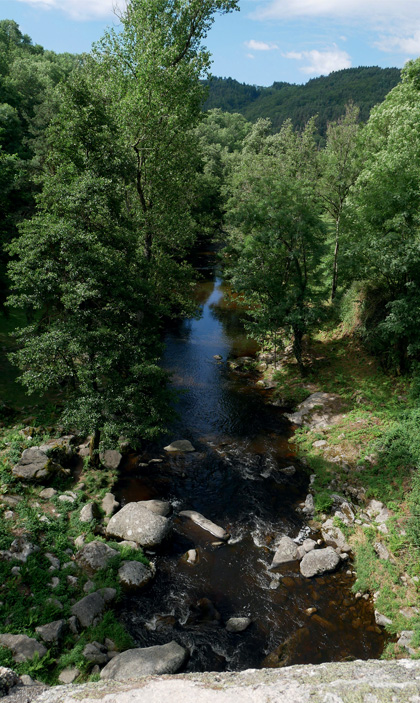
(95, 653)
(286, 552)
(109, 504)
(159, 507)
(288, 470)
(111, 459)
(48, 493)
(319, 561)
(309, 507)
(382, 620)
(52, 632)
(205, 524)
(238, 624)
(89, 609)
(89, 512)
(134, 574)
(68, 675)
(334, 537)
(95, 556)
(34, 465)
(23, 648)
(136, 523)
(134, 663)
(180, 445)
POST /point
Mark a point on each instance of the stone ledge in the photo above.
(396, 681)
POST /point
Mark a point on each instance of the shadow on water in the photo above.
(234, 478)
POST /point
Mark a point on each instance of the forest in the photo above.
(115, 167)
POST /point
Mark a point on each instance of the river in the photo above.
(234, 478)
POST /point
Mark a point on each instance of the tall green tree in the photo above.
(101, 262)
(276, 235)
(383, 222)
(340, 163)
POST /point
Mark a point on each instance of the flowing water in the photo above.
(235, 479)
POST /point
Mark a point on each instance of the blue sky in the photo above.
(267, 41)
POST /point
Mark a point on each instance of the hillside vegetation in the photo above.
(325, 96)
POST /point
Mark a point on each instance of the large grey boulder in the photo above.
(319, 561)
(95, 556)
(161, 659)
(159, 507)
(52, 632)
(334, 537)
(34, 465)
(136, 523)
(134, 574)
(23, 648)
(111, 459)
(180, 445)
(89, 609)
(205, 524)
(286, 551)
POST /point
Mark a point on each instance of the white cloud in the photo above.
(404, 45)
(260, 45)
(374, 10)
(79, 9)
(321, 62)
(250, 56)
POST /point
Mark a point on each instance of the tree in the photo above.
(340, 164)
(156, 62)
(383, 221)
(276, 236)
(97, 266)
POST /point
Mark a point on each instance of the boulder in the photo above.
(288, 470)
(89, 512)
(52, 632)
(48, 493)
(136, 523)
(334, 537)
(60, 447)
(318, 561)
(95, 556)
(95, 653)
(108, 594)
(34, 465)
(319, 410)
(109, 504)
(286, 552)
(89, 609)
(238, 624)
(205, 524)
(159, 507)
(404, 640)
(23, 648)
(134, 574)
(382, 620)
(68, 675)
(134, 663)
(180, 445)
(309, 506)
(20, 549)
(8, 679)
(111, 459)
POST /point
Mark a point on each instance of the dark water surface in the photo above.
(234, 478)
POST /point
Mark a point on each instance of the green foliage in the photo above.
(276, 234)
(325, 96)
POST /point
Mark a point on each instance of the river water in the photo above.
(234, 478)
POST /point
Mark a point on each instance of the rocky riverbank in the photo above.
(360, 511)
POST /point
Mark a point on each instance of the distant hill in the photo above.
(325, 96)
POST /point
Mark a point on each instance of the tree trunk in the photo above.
(335, 264)
(94, 448)
(297, 349)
